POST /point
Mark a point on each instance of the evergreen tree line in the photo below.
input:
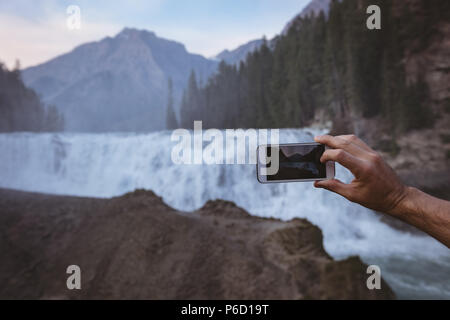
(330, 64)
(21, 108)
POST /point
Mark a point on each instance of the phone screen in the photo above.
(298, 162)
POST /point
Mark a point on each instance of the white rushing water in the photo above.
(105, 165)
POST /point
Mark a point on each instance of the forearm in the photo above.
(377, 187)
(427, 213)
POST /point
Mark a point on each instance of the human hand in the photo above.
(376, 186)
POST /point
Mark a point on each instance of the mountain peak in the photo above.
(134, 33)
(120, 82)
(150, 38)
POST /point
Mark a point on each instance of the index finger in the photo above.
(354, 139)
(339, 143)
(344, 158)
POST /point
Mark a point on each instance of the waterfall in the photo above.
(106, 165)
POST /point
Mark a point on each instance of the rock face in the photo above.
(136, 247)
(421, 157)
(424, 158)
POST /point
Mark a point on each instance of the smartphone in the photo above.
(293, 163)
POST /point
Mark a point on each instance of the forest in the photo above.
(331, 67)
(20, 107)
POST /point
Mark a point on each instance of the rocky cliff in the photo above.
(135, 246)
(421, 157)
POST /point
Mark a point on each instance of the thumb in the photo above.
(333, 185)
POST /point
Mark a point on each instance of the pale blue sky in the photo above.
(35, 31)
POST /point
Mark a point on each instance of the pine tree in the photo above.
(21, 108)
(53, 121)
(171, 119)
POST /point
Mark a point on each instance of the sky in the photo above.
(36, 31)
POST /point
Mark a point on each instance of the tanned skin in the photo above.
(377, 187)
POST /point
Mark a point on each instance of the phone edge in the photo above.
(329, 163)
